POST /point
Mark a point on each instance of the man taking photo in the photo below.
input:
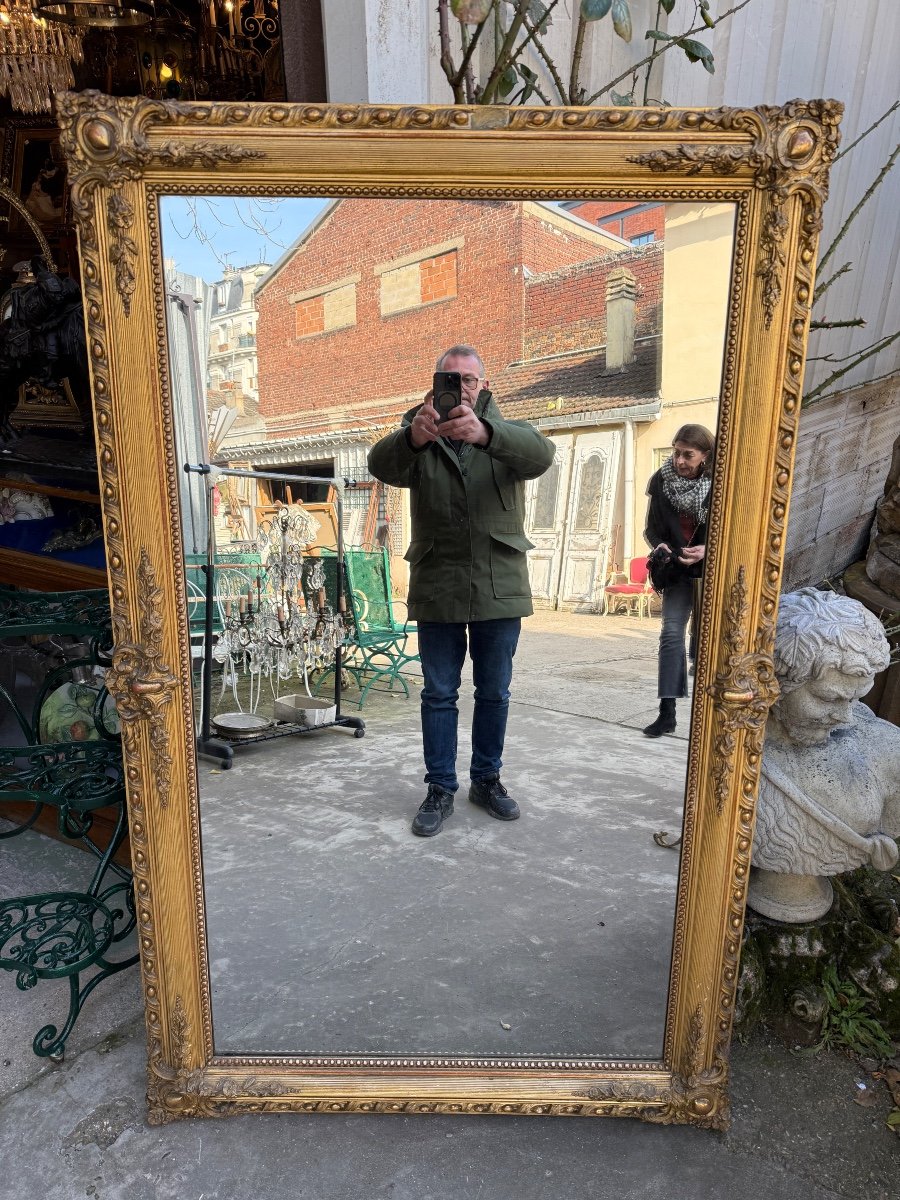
(468, 587)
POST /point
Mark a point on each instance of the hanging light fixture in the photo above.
(166, 54)
(36, 57)
(97, 14)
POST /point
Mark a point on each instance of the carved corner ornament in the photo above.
(106, 144)
(699, 1096)
(176, 1089)
(140, 682)
(744, 689)
(792, 152)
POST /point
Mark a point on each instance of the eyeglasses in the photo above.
(472, 381)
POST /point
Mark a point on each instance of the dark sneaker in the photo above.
(434, 809)
(492, 795)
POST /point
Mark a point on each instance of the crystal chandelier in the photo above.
(97, 14)
(36, 57)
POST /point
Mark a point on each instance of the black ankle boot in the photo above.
(665, 722)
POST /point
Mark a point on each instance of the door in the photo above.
(545, 515)
(579, 494)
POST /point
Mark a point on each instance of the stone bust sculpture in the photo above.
(830, 782)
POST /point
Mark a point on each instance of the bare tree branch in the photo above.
(505, 57)
(858, 358)
(545, 57)
(840, 391)
(892, 158)
(874, 125)
(466, 69)
(446, 59)
(653, 55)
(855, 323)
(826, 284)
(470, 50)
(576, 60)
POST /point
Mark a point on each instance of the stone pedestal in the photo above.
(783, 966)
(792, 898)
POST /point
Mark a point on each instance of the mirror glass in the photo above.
(300, 331)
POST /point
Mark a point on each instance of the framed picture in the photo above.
(35, 169)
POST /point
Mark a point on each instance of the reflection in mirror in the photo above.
(300, 332)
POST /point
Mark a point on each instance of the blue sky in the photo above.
(202, 233)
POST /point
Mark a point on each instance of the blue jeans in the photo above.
(442, 649)
(678, 602)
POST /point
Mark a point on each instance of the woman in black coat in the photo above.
(676, 529)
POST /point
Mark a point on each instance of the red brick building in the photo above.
(353, 317)
(637, 223)
(566, 316)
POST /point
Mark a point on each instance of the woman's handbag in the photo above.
(664, 569)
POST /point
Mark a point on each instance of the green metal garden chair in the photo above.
(379, 640)
(61, 750)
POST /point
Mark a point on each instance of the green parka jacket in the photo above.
(468, 551)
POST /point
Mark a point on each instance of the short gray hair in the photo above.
(460, 351)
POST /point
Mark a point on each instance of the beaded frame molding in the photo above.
(772, 163)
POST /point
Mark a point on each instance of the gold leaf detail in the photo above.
(744, 690)
(141, 683)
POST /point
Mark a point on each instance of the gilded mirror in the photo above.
(624, 275)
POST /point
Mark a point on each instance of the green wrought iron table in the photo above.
(60, 750)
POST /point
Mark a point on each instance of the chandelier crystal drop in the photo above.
(36, 57)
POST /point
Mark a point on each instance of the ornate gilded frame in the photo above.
(773, 164)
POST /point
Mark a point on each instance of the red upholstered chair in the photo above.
(635, 594)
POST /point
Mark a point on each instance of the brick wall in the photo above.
(843, 455)
(424, 282)
(438, 277)
(566, 309)
(652, 220)
(546, 247)
(461, 263)
(310, 316)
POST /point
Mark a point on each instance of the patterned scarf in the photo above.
(689, 496)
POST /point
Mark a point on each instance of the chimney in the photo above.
(621, 292)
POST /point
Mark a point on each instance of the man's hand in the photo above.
(692, 554)
(424, 425)
(463, 426)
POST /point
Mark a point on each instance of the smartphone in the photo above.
(447, 393)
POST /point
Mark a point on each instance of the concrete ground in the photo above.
(801, 1127)
(549, 935)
